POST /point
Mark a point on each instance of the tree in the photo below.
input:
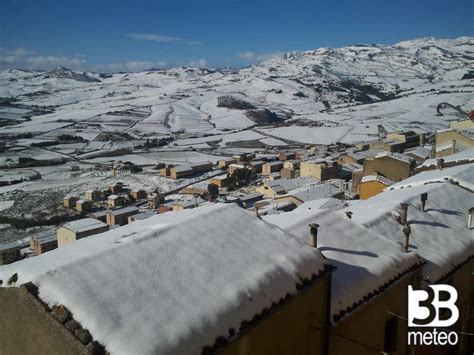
(241, 176)
(213, 190)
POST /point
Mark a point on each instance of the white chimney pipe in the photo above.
(470, 218)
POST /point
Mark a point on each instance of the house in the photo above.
(256, 166)
(291, 164)
(142, 274)
(116, 188)
(320, 169)
(187, 204)
(450, 141)
(463, 157)
(289, 173)
(166, 170)
(283, 156)
(193, 190)
(282, 186)
(306, 193)
(100, 215)
(9, 253)
(271, 167)
(244, 158)
(393, 166)
(247, 201)
(70, 201)
(202, 167)
(120, 216)
(180, 171)
(420, 154)
(221, 181)
(71, 231)
(348, 169)
(409, 138)
(388, 145)
(154, 200)
(371, 185)
(93, 195)
(369, 285)
(463, 124)
(116, 200)
(43, 242)
(83, 206)
(140, 216)
(428, 212)
(225, 162)
(358, 156)
(138, 194)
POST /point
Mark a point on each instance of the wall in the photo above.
(446, 138)
(462, 124)
(391, 168)
(27, 328)
(369, 189)
(363, 332)
(65, 237)
(294, 328)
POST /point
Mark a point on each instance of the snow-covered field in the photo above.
(177, 116)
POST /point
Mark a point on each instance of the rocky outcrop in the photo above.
(234, 103)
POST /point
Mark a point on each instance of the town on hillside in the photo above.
(313, 244)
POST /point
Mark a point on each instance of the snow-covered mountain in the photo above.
(320, 96)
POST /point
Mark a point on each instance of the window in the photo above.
(390, 340)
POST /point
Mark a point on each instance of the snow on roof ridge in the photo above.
(379, 178)
(439, 233)
(177, 264)
(380, 256)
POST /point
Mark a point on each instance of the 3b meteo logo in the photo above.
(433, 307)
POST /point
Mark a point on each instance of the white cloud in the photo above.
(161, 38)
(254, 57)
(246, 55)
(24, 58)
(200, 63)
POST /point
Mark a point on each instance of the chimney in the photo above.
(424, 198)
(256, 212)
(349, 214)
(470, 218)
(422, 139)
(313, 237)
(403, 213)
(406, 241)
(440, 164)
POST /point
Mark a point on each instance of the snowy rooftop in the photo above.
(462, 174)
(177, 266)
(379, 178)
(439, 234)
(123, 210)
(308, 193)
(290, 184)
(394, 155)
(464, 155)
(85, 224)
(365, 261)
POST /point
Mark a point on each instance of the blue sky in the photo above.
(132, 35)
